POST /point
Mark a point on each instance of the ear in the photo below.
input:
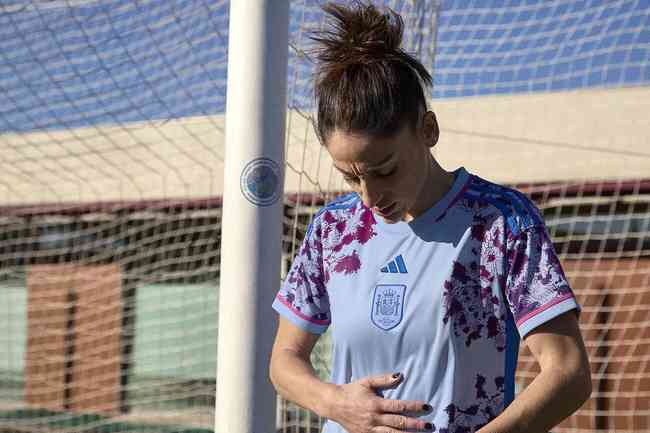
(430, 129)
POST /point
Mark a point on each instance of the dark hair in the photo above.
(364, 81)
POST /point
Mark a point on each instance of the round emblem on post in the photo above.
(260, 181)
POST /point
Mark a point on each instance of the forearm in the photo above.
(552, 396)
(295, 379)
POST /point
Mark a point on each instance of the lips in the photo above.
(386, 211)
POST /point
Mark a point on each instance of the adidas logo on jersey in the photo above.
(395, 266)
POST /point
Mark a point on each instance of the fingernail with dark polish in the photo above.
(426, 407)
(428, 426)
(396, 375)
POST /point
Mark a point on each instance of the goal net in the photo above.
(111, 154)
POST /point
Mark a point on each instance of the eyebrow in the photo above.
(372, 168)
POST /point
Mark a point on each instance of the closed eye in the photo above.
(387, 172)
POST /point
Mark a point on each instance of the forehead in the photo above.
(346, 147)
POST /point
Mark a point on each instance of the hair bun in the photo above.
(358, 34)
(363, 80)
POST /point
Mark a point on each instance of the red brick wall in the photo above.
(83, 372)
(48, 313)
(615, 297)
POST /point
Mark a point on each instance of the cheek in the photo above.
(410, 186)
(395, 190)
(408, 182)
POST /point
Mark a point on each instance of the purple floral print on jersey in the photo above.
(469, 299)
(535, 276)
(486, 407)
(329, 247)
(303, 290)
(513, 256)
(339, 235)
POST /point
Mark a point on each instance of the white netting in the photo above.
(111, 154)
(111, 129)
(548, 96)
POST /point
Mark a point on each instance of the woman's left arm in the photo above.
(561, 387)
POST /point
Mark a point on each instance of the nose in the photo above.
(370, 192)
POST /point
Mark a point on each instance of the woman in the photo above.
(427, 278)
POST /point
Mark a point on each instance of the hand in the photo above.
(358, 409)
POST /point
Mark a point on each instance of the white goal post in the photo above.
(252, 215)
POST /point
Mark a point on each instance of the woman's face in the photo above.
(389, 174)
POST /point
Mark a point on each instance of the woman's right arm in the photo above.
(355, 406)
(291, 370)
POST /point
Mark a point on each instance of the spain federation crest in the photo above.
(388, 305)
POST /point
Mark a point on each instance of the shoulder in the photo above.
(339, 211)
(518, 211)
(342, 204)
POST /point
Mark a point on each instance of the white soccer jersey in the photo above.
(444, 299)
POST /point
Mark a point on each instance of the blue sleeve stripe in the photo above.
(534, 215)
(338, 203)
(343, 198)
(343, 202)
(512, 203)
(512, 352)
(507, 213)
(346, 201)
(520, 208)
(286, 312)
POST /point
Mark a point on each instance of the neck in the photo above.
(437, 181)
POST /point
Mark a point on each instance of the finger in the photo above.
(384, 381)
(403, 422)
(403, 406)
(384, 429)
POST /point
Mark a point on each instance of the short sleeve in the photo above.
(536, 287)
(302, 298)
